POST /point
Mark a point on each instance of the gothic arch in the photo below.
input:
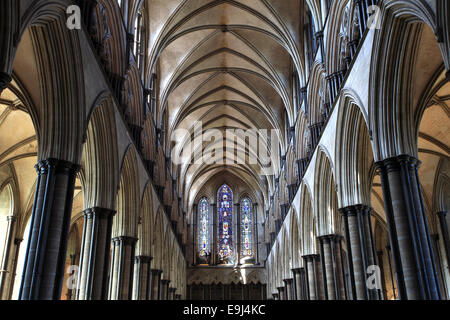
(308, 222)
(58, 60)
(405, 24)
(157, 240)
(296, 240)
(125, 222)
(353, 154)
(318, 94)
(339, 34)
(100, 162)
(146, 227)
(325, 202)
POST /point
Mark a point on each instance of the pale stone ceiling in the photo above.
(228, 64)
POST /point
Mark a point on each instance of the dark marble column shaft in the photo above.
(122, 265)
(50, 221)
(409, 234)
(95, 252)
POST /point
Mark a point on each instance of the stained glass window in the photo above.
(203, 228)
(225, 230)
(246, 228)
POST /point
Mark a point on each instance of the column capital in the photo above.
(393, 164)
(126, 240)
(329, 237)
(297, 270)
(311, 257)
(101, 213)
(143, 259)
(61, 166)
(441, 214)
(355, 209)
(155, 272)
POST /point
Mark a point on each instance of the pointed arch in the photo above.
(100, 161)
(354, 157)
(126, 219)
(326, 201)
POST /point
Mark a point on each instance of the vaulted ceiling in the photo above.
(228, 64)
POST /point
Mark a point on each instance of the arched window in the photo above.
(225, 232)
(203, 228)
(246, 228)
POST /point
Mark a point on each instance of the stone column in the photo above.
(172, 294)
(50, 222)
(141, 277)
(360, 250)
(383, 275)
(122, 264)
(408, 229)
(155, 285)
(164, 289)
(313, 277)
(289, 285)
(391, 273)
(13, 276)
(95, 251)
(282, 293)
(331, 266)
(6, 270)
(443, 217)
(300, 289)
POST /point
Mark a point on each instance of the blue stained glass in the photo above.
(203, 228)
(246, 228)
(225, 214)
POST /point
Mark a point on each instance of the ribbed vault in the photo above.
(229, 65)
